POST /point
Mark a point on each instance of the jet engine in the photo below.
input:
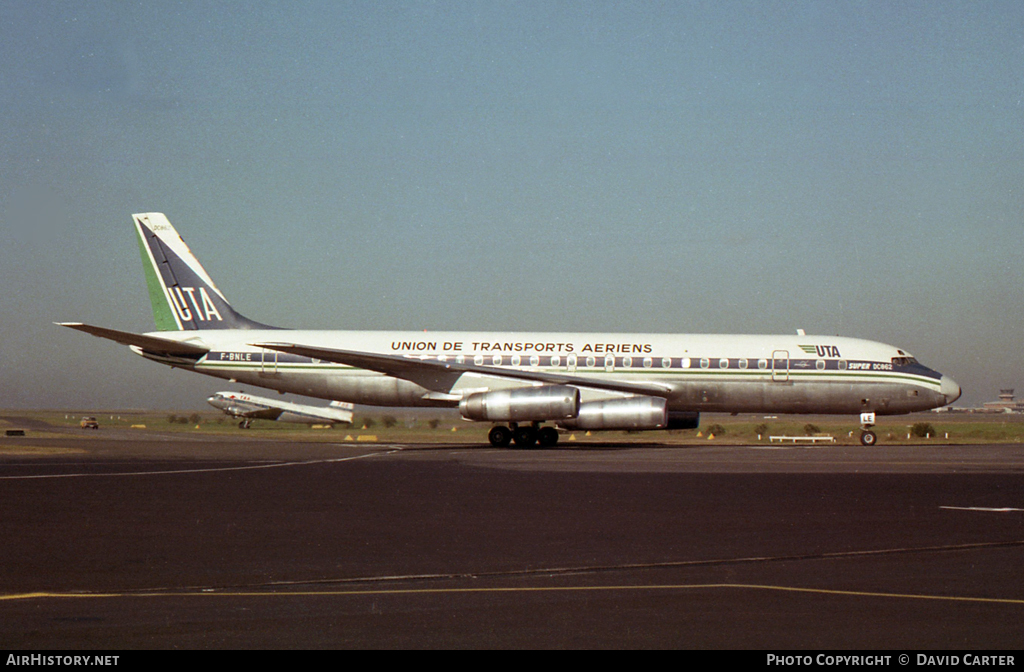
(628, 413)
(523, 404)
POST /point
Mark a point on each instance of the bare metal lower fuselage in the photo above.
(708, 396)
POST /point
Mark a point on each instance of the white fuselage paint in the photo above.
(712, 373)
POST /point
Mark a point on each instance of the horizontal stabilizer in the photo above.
(163, 346)
(441, 376)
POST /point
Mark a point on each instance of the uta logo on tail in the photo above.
(206, 312)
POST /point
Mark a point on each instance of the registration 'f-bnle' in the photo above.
(526, 384)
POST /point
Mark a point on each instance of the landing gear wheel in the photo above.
(500, 436)
(547, 436)
(868, 438)
(525, 437)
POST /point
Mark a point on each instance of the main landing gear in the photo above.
(525, 437)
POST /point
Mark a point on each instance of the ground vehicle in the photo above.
(89, 423)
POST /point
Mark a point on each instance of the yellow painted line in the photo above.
(203, 470)
(527, 589)
(859, 593)
(36, 596)
(18, 449)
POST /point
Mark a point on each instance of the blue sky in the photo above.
(850, 168)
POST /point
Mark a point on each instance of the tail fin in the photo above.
(183, 295)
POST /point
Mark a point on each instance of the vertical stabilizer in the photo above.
(184, 297)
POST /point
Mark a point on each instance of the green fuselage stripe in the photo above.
(599, 372)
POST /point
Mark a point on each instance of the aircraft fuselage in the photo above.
(709, 373)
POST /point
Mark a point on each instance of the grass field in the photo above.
(448, 427)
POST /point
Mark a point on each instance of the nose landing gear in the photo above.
(867, 437)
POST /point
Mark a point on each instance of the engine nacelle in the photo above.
(523, 404)
(628, 413)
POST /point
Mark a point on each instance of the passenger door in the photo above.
(780, 366)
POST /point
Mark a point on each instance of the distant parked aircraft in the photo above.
(249, 408)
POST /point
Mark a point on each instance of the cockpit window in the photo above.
(903, 361)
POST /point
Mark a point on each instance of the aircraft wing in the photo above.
(441, 376)
(153, 344)
(431, 375)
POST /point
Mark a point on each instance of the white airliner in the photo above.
(249, 408)
(527, 384)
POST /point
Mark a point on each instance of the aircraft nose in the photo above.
(949, 389)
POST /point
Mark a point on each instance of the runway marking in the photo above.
(274, 465)
(594, 569)
(15, 449)
(523, 589)
(1005, 509)
(272, 587)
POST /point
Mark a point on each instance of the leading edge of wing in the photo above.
(164, 346)
(441, 376)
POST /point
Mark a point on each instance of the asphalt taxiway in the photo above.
(138, 541)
